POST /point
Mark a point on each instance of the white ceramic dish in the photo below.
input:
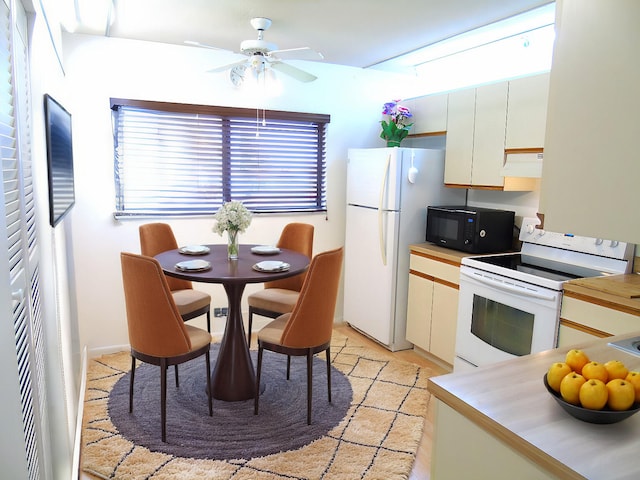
(265, 250)
(193, 266)
(194, 250)
(271, 266)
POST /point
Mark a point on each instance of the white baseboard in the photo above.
(75, 465)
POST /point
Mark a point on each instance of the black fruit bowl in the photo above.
(603, 416)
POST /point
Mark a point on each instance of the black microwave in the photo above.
(470, 229)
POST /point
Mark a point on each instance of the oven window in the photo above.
(501, 326)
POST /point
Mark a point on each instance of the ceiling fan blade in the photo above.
(203, 45)
(228, 66)
(293, 72)
(301, 53)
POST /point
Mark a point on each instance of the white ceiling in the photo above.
(358, 33)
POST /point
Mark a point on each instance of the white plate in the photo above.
(194, 250)
(265, 249)
(193, 266)
(271, 266)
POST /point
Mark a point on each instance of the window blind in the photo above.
(174, 159)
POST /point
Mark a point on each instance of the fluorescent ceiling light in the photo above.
(531, 20)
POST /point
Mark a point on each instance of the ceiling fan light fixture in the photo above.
(263, 56)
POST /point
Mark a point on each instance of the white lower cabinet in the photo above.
(432, 309)
(583, 320)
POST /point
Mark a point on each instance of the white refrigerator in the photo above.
(388, 190)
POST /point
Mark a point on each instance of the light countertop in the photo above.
(510, 401)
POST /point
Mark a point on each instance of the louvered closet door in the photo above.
(21, 351)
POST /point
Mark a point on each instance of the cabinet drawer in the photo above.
(598, 317)
(435, 269)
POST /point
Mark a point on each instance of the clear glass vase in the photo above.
(232, 244)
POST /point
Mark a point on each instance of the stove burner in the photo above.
(521, 263)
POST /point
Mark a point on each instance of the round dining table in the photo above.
(233, 377)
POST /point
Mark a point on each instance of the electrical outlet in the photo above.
(224, 312)
(220, 312)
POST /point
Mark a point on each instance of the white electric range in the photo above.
(509, 303)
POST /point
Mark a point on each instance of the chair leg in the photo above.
(288, 366)
(207, 358)
(258, 372)
(175, 367)
(309, 384)
(249, 325)
(209, 321)
(163, 397)
(133, 374)
(328, 351)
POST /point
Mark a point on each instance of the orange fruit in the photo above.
(576, 359)
(595, 370)
(557, 371)
(621, 394)
(570, 387)
(594, 394)
(616, 369)
(634, 379)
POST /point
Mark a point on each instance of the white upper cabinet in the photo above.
(489, 132)
(429, 114)
(527, 112)
(475, 136)
(459, 152)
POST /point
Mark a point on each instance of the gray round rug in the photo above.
(233, 432)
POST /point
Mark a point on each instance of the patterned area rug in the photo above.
(370, 430)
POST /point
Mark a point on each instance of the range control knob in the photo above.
(530, 228)
(614, 243)
(541, 232)
(599, 241)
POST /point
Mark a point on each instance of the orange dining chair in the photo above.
(157, 333)
(280, 296)
(156, 238)
(307, 329)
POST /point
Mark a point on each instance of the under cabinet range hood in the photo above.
(522, 169)
(523, 164)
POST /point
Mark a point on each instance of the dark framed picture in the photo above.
(59, 159)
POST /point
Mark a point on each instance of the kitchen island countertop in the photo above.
(509, 401)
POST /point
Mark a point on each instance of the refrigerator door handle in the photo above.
(383, 188)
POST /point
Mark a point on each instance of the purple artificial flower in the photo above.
(404, 111)
(389, 108)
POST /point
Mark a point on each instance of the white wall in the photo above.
(98, 68)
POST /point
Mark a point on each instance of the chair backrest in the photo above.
(299, 238)
(156, 238)
(311, 321)
(154, 323)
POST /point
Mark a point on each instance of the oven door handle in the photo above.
(509, 288)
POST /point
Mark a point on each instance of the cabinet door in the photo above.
(419, 308)
(527, 112)
(459, 151)
(568, 336)
(429, 113)
(444, 321)
(597, 319)
(489, 133)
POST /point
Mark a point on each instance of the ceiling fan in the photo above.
(261, 55)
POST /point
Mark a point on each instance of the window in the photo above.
(176, 159)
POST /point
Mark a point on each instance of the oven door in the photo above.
(501, 318)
